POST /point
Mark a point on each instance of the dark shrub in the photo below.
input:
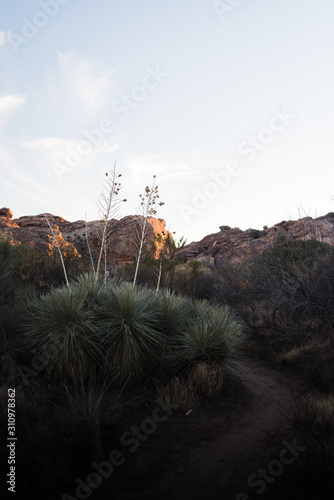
(287, 293)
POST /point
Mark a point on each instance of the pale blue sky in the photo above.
(209, 85)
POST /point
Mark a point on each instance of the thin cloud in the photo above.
(9, 103)
(86, 83)
(15, 181)
(64, 154)
(169, 168)
(5, 37)
(46, 144)
(26, 193)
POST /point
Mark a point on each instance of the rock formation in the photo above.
(33, 231)
(231, 245)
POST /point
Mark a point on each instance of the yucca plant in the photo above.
(205, 346)
(95, 292)
(130, 329)
(175, 312)
(61, 323)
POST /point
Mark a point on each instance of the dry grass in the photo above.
(179, 392)
(313, 416)
(204, 381)
(207, 377)
(314, 362)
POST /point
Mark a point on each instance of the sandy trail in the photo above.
(220, 468)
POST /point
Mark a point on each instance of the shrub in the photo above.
(61, 327)
(256, 233)
(130, 329)
(205, 346)
(175, 312)
(195, 279)
(10, 348)
(42, 272)
(312, 417)
(286, 293)
(9, 313)
(9, 258)
(94, 292)
(125, 331)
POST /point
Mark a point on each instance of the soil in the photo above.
(211, 454)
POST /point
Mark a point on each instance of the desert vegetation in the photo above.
(86, 351)
(80, 352)
(94, 356)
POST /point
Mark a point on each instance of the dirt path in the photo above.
(220, 468)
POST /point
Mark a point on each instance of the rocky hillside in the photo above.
(230, 245)
(33, 231)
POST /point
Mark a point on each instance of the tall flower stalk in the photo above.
(148, 208)
(58, 247)
(108, 205)
(89, 246)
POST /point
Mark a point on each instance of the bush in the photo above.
(312, 418)
(194, 279)
(205, 345)
(175, 312)
(41, 272)
(132, 341)
(62, 329)
(287, 293)
(9, 313)
(125, 331)
(9, 259)
(256, 233)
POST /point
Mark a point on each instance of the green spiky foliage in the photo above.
(95, 292)
(213, 336)
(62, 329)
(130, 329)
(202, 351)
(175, 312)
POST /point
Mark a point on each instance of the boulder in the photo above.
(6, 212)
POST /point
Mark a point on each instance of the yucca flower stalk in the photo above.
(148, 208)
(58, 247)
(108, 205)
(89, 246)
(169, 248)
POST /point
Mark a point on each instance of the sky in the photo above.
(229, 103)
